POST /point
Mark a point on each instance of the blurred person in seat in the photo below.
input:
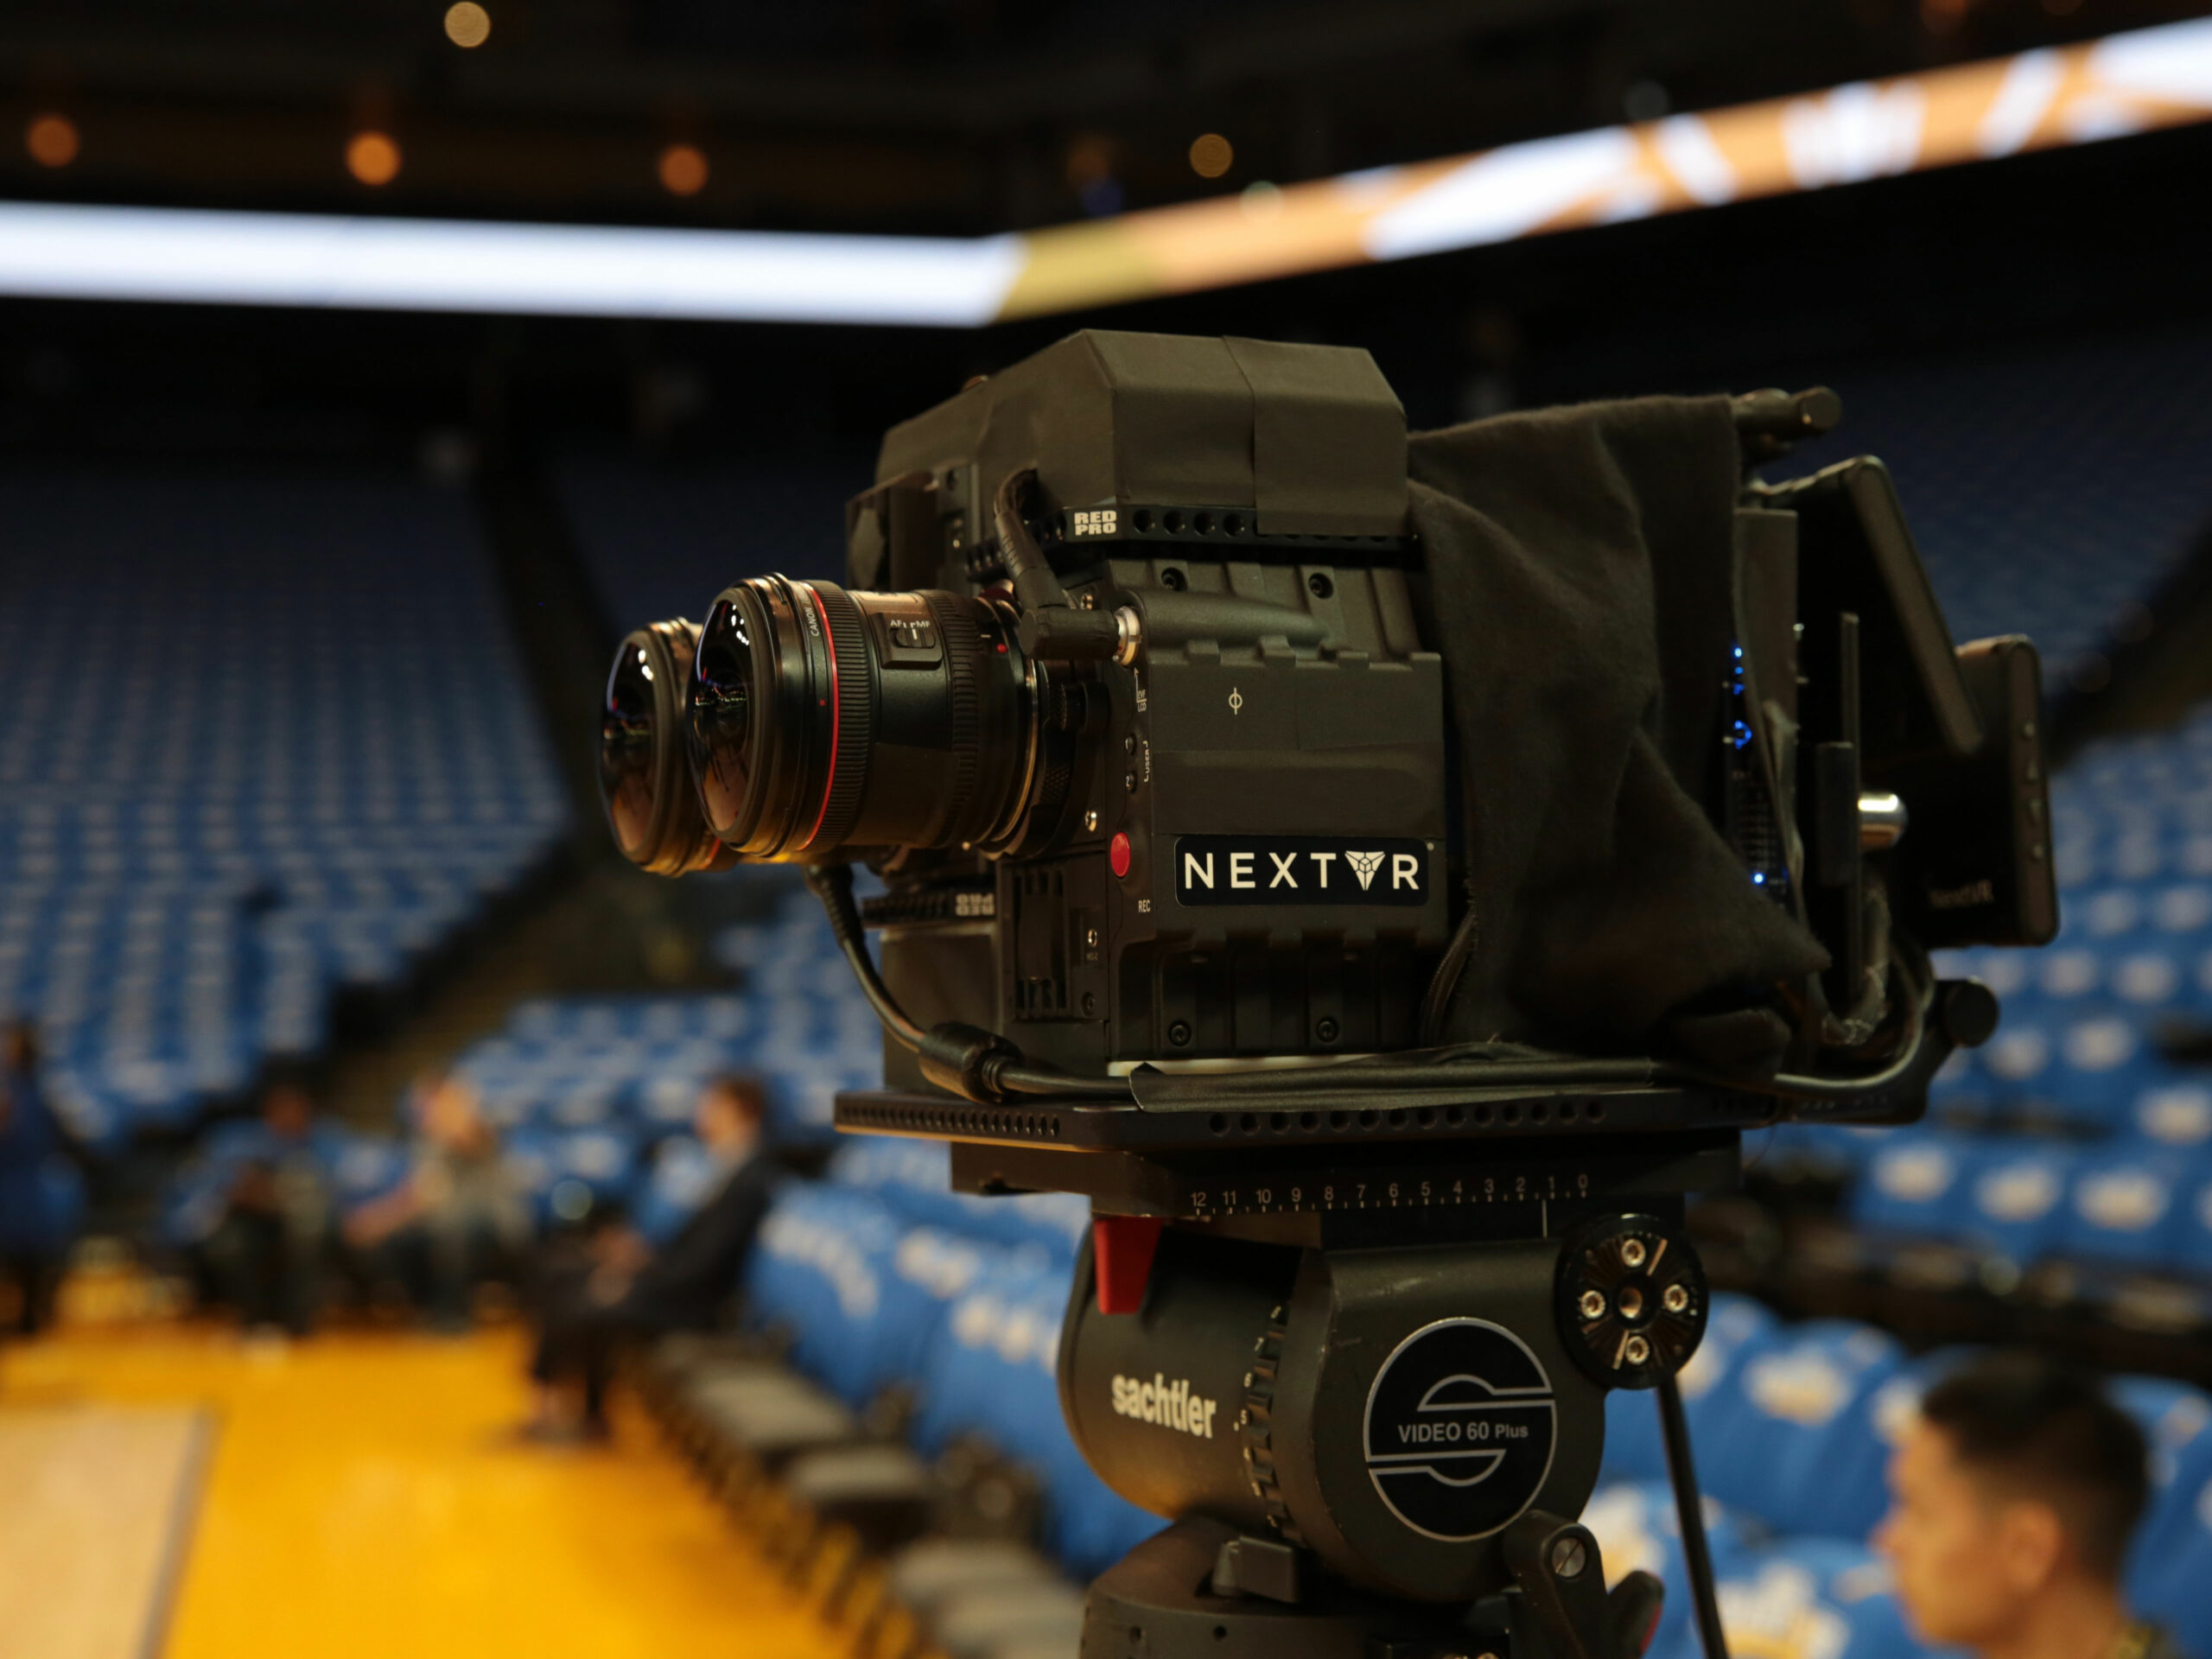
(267, 1252)
(41, 1193)
(460, 1217)
(620, 1289)
(2014, 1494)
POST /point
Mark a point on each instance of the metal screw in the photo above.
(1569, 1557)
(1676, 1299)
(1091, 821)
(1325, 1030)
(1178, 1034)
(1636, 1350)
(1632, 1252)
(1130, 782)
(1089, 602)
(1090, 938)
(1592, 1304)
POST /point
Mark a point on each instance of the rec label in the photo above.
(1460, 1428)
(1302, 870)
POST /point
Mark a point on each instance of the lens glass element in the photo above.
(629, 761)
(722, 716)
(644, 779)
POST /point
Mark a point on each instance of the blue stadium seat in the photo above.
(565, 1173)
(931, 1270)
(2013, 1065)
(990, 1372)
(683, 1176)
(1797, 1444)
(1734, 1329)
(363, 1167)
(1804, 1597)
(1637, 1531)
(914, 1175)
(2103, 1059)
(2171, 1562)
(1915, 1183)
(2016, 1201)
(2125, 1207)
(2192, 1245)
(2174, 1114)
(821, 1270)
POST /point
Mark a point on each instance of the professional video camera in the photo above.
(1387, 877)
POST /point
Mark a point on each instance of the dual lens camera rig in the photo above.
(1387, 876)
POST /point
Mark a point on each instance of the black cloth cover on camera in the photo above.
(1581, 589)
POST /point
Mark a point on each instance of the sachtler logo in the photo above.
(1301, 870)
(1460, 1428)
(1170, 1404)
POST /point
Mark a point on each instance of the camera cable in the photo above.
(1689, 1512)
(978, 1064)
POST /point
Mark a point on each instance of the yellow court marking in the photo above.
(362, 1499)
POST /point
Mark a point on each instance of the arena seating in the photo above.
(2056, 492)
(593, 1097)
(661, 540)
(270, 739)
(1792, 1424)
(2067, 1164)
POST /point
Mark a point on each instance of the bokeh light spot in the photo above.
(51, 140)
(682, 170)
(1211, 155)
(372, 157)
(467, 24)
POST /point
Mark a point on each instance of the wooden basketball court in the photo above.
(168, 1490)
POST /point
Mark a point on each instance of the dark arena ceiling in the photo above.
(943, 115)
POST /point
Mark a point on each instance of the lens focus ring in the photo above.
(852, 715)
(963, 649)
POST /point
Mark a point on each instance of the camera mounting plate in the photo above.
(1336, 1123)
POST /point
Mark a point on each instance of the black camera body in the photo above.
(1249, 855)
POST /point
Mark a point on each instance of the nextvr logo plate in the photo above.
(1460, 1428)
(1302, 870)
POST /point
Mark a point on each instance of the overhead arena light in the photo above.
(2127, 83)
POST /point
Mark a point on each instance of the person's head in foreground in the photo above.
(2013, 1496)
(728, 1117)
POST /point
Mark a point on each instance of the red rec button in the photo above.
(1117, 855)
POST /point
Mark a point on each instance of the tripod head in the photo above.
(1364, 1378)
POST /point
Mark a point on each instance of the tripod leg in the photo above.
(1674, 1430)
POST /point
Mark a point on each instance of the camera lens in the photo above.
(644, 779)
(822, 719)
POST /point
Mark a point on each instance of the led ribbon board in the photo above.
(2129, 83)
